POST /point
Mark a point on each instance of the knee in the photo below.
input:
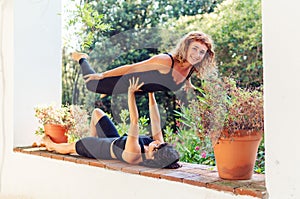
(97, 115)
(84, 147)
(92, 85)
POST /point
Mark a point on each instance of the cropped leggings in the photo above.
(98, 147)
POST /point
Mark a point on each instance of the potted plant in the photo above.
(62, 123)
(233, 118)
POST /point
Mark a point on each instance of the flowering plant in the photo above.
(72, 117)
(221, 110)
(226, 110)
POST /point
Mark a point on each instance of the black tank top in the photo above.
(153, 81)
(119, 145)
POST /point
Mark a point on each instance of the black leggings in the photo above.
(98, 147)
(153, 81)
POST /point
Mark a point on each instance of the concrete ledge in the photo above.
(192, 174)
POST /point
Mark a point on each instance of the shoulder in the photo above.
(163, 56)
(164, 59)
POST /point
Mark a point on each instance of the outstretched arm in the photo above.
(133, 111)
(158, 62)
(155, 118)
(132, 149)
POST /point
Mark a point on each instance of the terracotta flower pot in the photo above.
(236, 156)
(56, 132)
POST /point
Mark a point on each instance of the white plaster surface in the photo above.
(282, 96)
(30, 53)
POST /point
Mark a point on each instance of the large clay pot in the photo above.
(56, 132)
(236, 156)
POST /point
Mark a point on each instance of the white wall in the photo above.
(37, 62)
(282, 96)
(6, 79)
(30, 54)
(44, 178)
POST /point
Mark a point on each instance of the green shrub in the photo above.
(236, 29)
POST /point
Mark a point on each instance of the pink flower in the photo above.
(197, 148)
(203, 155)
(177, 123)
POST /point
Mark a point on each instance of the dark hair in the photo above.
(165, 156)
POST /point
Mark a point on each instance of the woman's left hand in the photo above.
(188, 85)
(134, 85)
(96, 76)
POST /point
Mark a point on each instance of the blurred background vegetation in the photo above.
(115, 33)
(121, 32)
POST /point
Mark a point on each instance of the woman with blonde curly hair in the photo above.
(164, 72)
(184, 49)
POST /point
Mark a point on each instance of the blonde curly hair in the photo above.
(207, 66)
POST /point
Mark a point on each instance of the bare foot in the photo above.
(77, 56)
(47, 142)
(103, 95)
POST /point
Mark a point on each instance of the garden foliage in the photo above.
(115, 33)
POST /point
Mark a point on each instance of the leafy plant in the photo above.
(260, 160)
(192, 148)
(123, 126)
(90, 22)
(220, 105)
(226, 110)
(236, 29)
(72, 117)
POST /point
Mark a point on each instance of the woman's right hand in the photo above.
(134, 85)
(96, 76)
